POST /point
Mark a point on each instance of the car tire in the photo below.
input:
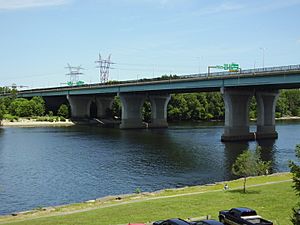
(222, 220)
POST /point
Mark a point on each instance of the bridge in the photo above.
(237, 88)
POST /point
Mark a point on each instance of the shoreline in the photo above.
(115, 200)
(34, 123)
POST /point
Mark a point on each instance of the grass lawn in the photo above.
(271, 200)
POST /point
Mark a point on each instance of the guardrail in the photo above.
(248, 71)
(172, 79)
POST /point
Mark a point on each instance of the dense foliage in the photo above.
(295, 170)
(182, 107)
(25, 108)
(249, 163)
(63, 111)
(11, 108)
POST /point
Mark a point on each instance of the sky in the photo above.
(146, 38)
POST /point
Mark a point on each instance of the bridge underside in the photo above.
(236, 101)
(237, 114)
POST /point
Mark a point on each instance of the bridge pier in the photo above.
(103, 105)
(80, 106)
(132, 110)
(159, 104)
(266, 104)
(237, 115)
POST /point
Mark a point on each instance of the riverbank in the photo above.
(34, 123)
(23, 122)
(264, 193)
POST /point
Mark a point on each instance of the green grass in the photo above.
(272, 201)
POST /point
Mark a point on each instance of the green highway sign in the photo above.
(233, 67)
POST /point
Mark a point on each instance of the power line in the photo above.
(104, 66)
(74, 73)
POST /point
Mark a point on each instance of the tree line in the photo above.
(210, 106)
(182, 107)
(12, 108)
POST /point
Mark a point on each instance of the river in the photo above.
(54, 166)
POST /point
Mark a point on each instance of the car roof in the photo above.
(179, 221)
(212, 222)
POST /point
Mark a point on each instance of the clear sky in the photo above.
(147, 38)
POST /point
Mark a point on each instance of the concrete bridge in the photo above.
(237, 88)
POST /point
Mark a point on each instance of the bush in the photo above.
(10, 117)
(63, 111)
(50, 113)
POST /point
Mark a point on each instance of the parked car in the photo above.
(243, 216)
(206, 222)
(177, 221)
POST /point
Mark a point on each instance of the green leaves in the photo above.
(249, 163)
(63, 111)
(295, 170)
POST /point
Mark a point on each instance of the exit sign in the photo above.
(233, 67)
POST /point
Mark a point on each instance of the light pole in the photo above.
(263, 56)
(199, 64)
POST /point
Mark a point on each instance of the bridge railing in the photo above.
(245, 72)
(190, 76)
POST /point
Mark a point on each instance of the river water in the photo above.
(54, 166)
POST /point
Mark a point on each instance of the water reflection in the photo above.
(231, 152)
(52, 166)
(268, 152)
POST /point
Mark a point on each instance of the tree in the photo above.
(63, 111)
(38, 106)
(2, 110)
(249, 163)
(116, 107)
(21, 107)
(295, 170)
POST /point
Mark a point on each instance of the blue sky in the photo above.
(147, 38)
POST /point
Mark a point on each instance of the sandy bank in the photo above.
(289, 118)
(34, 123)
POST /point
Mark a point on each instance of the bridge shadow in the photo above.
(268, 152)
(233, 149)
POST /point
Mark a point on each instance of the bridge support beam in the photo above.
(266, 104)
(237, 115)
(80, 106)
(132, 110)
(104, 104)
(159, 104)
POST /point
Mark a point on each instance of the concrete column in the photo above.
(132, 110)
(80, 106)
(159, 104)
(237, 115)
(103, 104)
(266, 104)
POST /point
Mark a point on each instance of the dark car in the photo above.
(207, 222)
(242, 216)
(172, 222)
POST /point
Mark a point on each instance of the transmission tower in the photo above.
(74, 73)
(104, 66)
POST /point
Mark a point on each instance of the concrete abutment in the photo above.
(132, 110)
(80, 106)
(159, 104)
(237, 114)
(266, 104)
